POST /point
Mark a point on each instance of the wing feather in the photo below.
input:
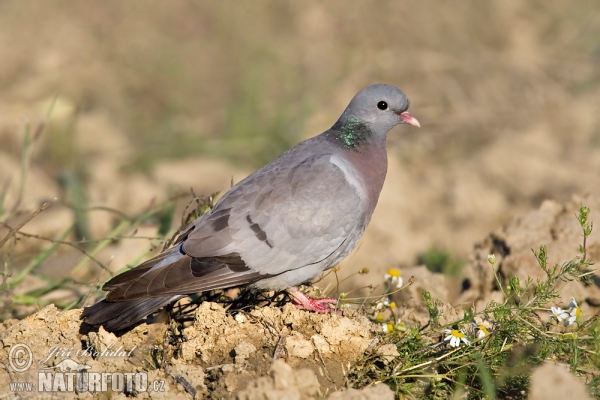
(282, 218)
(185, 276)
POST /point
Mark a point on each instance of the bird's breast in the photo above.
(365, 170)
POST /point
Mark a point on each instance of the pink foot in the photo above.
(303, 302)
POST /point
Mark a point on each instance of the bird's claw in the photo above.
(303, 302)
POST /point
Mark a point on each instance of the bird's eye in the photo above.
(382, 105)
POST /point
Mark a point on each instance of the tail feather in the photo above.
(165, 278)
(133, 273)
(119, 315)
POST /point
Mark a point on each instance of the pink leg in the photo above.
(303, 302)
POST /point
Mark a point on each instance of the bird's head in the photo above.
(380, 107)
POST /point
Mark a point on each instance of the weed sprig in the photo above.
(498, 361)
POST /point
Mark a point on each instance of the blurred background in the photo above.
(114, 107)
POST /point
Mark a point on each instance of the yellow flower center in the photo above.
(394, 273)
(484, 329)
(457, 333)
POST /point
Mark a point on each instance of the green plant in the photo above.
(13, 291)
(438, 260)
(490, 363)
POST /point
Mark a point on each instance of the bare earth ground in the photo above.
(220, 355)
(155, 99)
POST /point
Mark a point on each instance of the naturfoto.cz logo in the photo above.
(71, 376)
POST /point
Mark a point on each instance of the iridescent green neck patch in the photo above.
(351, 132)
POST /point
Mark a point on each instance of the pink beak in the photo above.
(409, 119)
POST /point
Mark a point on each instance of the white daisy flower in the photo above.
(381, 304)
(575, 313)
(393, 275)
(559, 314)
(573, 303)
(455, 336)
(480, 330)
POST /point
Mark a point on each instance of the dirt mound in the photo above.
(218, 354)
(553, 225)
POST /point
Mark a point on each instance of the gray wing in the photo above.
(281, 218)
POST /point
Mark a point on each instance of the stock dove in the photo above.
(281, 226)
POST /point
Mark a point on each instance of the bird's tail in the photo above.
(119, 315)
(161, 280)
